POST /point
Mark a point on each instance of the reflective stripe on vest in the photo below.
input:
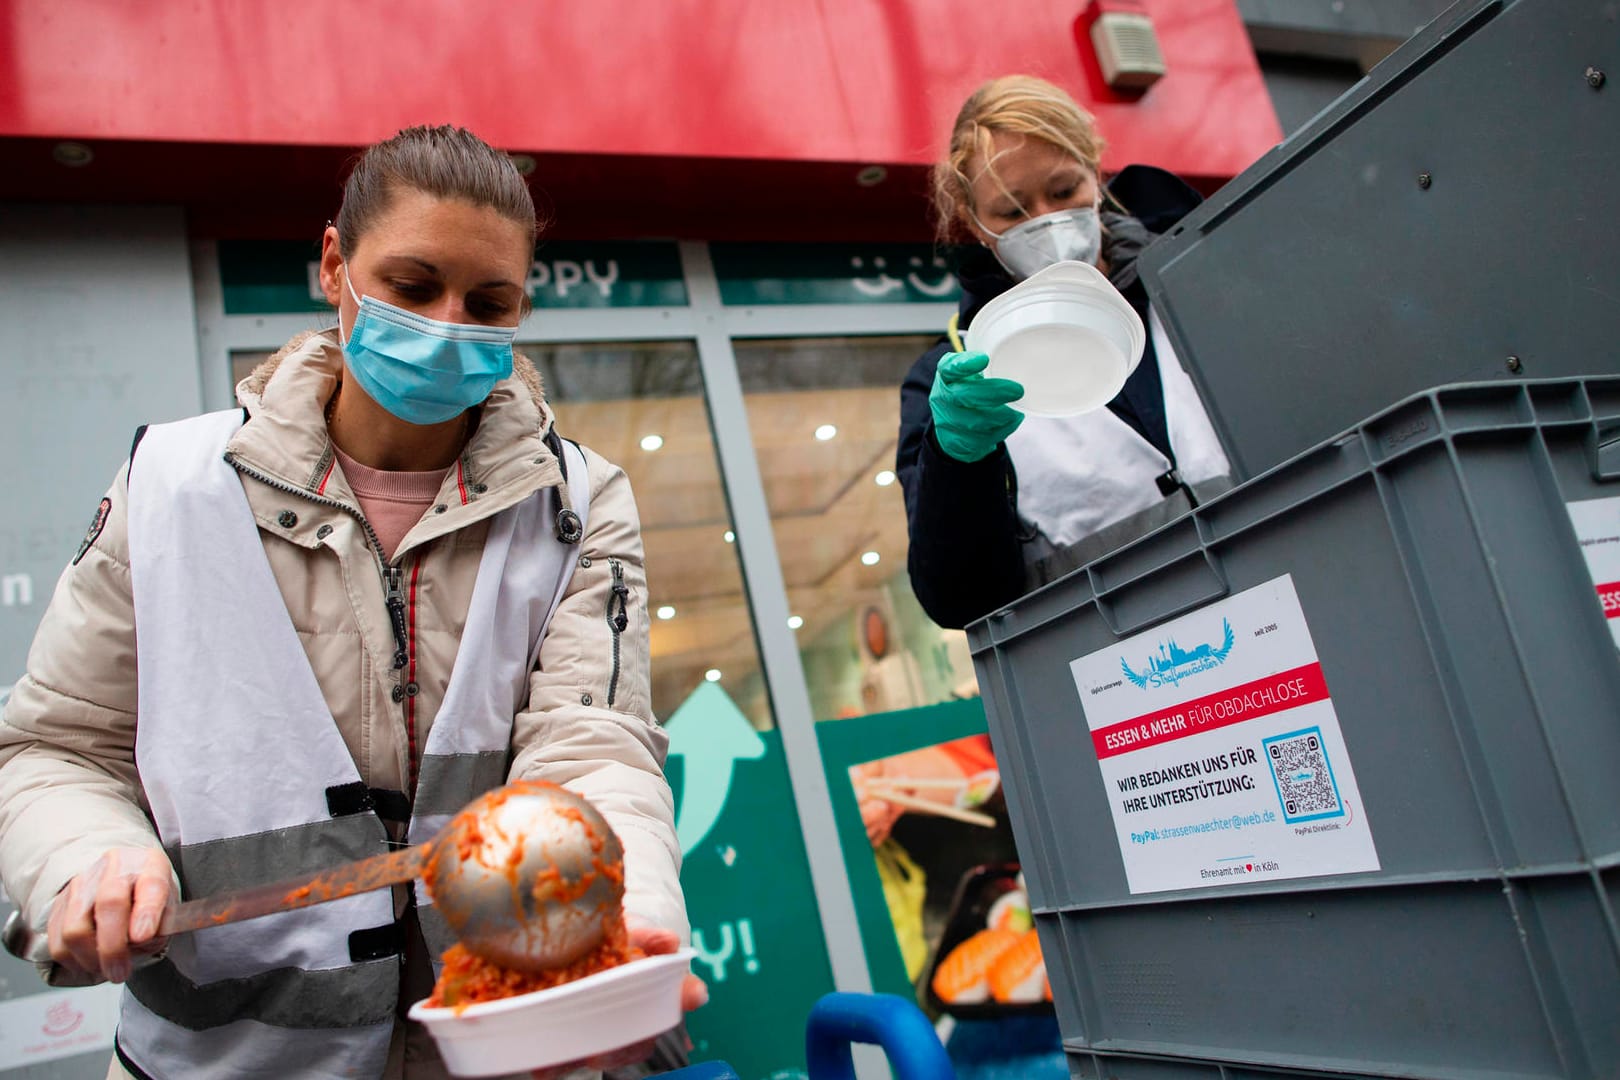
(444, 780)
(237, 752)
(436, 932)
(240, 1050)
(241, 862)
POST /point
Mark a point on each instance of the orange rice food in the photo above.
(468, 979)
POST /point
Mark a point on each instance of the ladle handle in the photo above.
(291, 894)
(303, 891)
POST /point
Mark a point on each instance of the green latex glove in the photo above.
(971, 416)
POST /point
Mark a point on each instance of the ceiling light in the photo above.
(826, 432)
(731, 537)
(666, 612)
(795, 621)
(870, 558)
(871, 176)
(75, 155)
(650, 443)
(713, 674)
(884, 478)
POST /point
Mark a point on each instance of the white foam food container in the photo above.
(581, 1019)
(1065, 334)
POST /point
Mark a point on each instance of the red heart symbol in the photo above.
(1248, 866)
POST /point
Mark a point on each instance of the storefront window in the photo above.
(243, 361)
(640, 405)
(915, 785)
(755, 925)
(825, 417)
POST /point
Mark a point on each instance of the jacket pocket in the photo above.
(618, 619)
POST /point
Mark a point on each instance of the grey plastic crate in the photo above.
(1478, 690)
(1455, 209)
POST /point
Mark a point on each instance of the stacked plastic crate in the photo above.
(1324, 778)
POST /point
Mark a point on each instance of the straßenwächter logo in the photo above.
(1173, 663)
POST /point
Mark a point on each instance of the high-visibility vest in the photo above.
(250, 781)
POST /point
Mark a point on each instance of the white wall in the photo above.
(97, 336)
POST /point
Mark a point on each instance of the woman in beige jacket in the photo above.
(377, 461)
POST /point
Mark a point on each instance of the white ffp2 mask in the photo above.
(1061, 236)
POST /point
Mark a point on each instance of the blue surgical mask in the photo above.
(422, 370)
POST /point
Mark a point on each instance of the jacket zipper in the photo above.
(617, 621)
(393, 594)
(394, 598)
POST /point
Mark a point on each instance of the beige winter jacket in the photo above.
(68, 787)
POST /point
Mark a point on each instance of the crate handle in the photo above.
(1218, 589)
(841, 1019)
(708, 1070)
(1606, 456)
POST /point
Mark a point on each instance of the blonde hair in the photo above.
(1014, 105)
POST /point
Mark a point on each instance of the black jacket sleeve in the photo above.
(965, 557)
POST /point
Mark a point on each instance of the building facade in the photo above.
(739, 271)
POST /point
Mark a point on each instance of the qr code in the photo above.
(1305, 783)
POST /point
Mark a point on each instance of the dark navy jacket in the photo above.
(968, 548)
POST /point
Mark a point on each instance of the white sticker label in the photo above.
(1220, 749)
(57, 1024)
(1597, 527)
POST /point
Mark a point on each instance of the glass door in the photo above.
(755, 923)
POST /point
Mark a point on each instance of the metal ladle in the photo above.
(528, 876)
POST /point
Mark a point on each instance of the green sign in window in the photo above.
(271, 277)
(833, 274)
(274, 277)
(755, 924)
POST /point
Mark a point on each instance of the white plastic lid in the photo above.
(590, 1016)
(1065, 334)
